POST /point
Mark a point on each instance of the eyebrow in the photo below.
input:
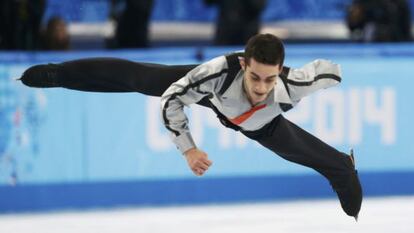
(271, 76)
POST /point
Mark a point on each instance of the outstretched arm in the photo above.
(316, 75)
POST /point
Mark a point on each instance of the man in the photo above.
(248, 91)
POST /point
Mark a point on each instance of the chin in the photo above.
(257, 101)
(261, 100)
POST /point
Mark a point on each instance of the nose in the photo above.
(260, 88)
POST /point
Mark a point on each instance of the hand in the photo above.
(198, 161)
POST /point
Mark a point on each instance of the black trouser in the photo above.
(297, 145)
(118, 75)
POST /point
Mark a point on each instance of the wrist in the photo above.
(189, 151)
(184, 142)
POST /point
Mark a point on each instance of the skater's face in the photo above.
(259, 79)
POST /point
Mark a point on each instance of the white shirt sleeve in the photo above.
(319, 74)
(200, 82)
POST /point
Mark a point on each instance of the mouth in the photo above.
(259, 94)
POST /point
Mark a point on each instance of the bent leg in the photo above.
(106, 75)
(296, 145)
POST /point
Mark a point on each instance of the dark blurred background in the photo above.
(97, 24)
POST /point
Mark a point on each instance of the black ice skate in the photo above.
(350, 191)
(41, 76)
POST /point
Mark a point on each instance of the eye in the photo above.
(254, 78)
(269, 81)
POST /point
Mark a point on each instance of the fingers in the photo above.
(198, 172)
(207, 162)
(201, 166)
(198, 161)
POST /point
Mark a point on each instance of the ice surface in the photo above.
(390, 214)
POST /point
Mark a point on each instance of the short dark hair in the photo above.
(266, 49)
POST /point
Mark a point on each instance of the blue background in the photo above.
(68, 149)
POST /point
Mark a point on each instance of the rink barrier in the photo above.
(92, 195)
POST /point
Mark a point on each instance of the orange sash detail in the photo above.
(243, 117)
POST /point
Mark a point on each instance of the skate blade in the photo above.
(351, 155)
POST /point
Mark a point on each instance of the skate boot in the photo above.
(41, 76)
(350, 191)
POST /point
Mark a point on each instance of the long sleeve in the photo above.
(319, 74)
(200, 82)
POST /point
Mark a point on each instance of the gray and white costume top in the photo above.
(220, 82)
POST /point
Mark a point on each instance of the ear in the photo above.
(242, 63)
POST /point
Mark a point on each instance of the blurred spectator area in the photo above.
(184, 21)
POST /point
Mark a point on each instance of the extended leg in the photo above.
(106, 75)
(296, 145)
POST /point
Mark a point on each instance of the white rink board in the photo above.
(379, 215)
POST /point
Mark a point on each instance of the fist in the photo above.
(197, 161)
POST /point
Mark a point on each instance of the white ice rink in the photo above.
(378, 215)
